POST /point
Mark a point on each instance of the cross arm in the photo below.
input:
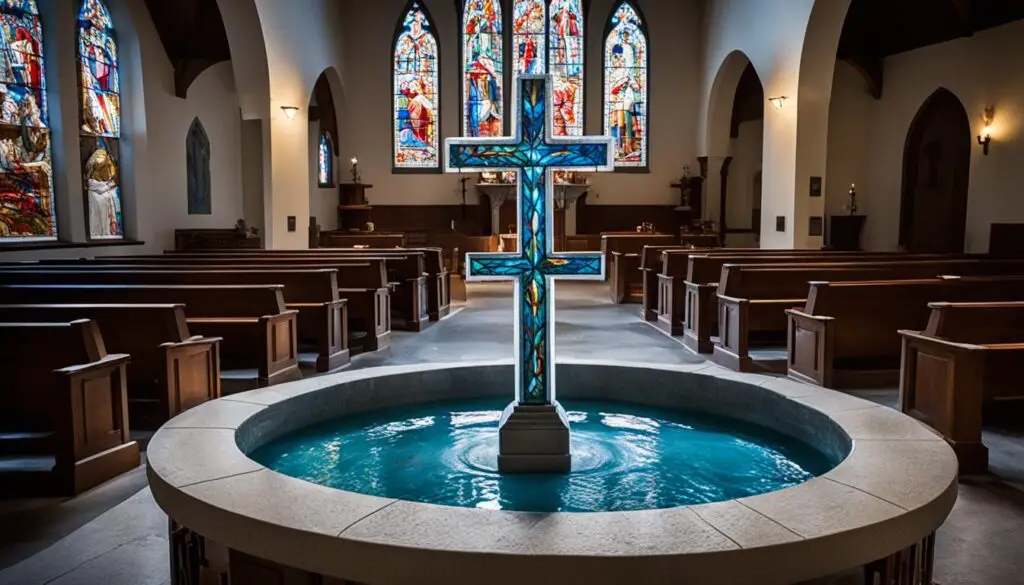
(495, 266)
(582, 266)
(486, 157)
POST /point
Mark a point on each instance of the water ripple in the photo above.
(624, 457)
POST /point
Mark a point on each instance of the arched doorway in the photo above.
(936, 176)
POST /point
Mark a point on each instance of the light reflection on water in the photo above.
(624, 457)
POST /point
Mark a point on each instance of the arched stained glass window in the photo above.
(325, 161)
(416, 92)
(100, 109)
(566, 65)
(529, 42)
(26, 176)
(482, 68)
(625, 85)
(197, 159)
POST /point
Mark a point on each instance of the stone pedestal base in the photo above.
(533, 439)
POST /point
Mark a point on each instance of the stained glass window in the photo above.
(26, 175)
(482, 67)
(625, 85)
(325, 161)
(566, 65)
(416, 93)
(100, 110)
(529, 42)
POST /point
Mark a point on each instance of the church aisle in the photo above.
(589, 327)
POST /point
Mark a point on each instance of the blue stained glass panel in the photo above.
(625, 86)
(483, 67)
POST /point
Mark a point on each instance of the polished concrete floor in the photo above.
(116, 535)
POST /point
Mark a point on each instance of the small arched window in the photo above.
(197, 157)
(625, 85)
(26, 174)
(100, 108)
(415, 89)
(325, 161)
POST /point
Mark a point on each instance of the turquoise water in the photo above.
(625, 457)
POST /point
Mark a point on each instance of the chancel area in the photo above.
(715, 292)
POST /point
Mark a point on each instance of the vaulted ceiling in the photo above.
(876, 29)
(192, 32)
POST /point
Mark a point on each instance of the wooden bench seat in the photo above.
(650, 267)
(622, 259)
(64, 423)
(258, 330)
(362, 283)
(753, 298)
(406, 270)
(687, 304)
(171, 370)
(704, 276)
(323, 315)
(846, 333)
(968, 355)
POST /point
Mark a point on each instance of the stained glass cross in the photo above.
(535, 153)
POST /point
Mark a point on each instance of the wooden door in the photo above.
(936, 176)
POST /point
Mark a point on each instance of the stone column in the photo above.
(498, 195)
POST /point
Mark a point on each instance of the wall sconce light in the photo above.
(778, 101)
(290, 111)
(985, 138)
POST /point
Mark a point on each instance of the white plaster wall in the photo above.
(212, 98)
(674, 41)
(980, 71)
(746, 162)
(303, 38)
(848, 138)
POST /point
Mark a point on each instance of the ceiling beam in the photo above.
(872, 70)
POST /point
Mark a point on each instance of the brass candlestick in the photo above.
(853, 198)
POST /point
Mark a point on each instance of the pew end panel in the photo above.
(370, 314)
(942, 385)
(271, 339)
(328, 323)
(97, 448)
(746, 322)
(810, 343)
(192, 374)
(66, 410)
(699, 315)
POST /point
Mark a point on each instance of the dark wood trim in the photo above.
(399, 27)
(723, 199)
(58, 245)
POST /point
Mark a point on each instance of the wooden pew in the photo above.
(322, 318)
(438, 276)
(650, 268)
(363, 284)
(622, 261)
(64, 421)
(703, 273)
(752, 298)
(845, 334)
(405, 269)
(968, 355)
(170, 369)
(256, 327)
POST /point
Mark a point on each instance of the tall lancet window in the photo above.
(26, 176)
(529, 41)
(197, 157)
(415, 89)
(566, 65)
(625, 85)
(482, 68)
(101, 120)
(325, 161)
